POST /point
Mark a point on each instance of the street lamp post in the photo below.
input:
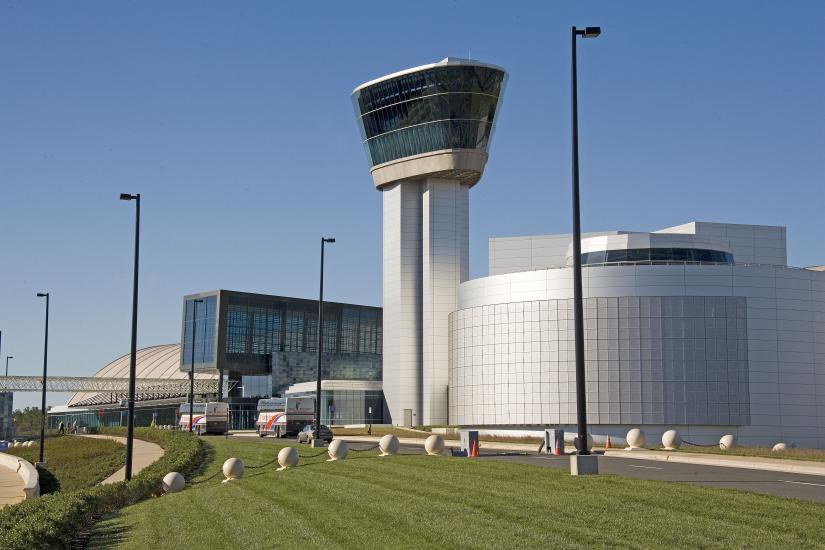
(7, 364)
(192, 366)
(581, 403)
(45, 365)
(130, 419)
(316, 441)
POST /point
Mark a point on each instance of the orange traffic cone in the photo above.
(607, 442)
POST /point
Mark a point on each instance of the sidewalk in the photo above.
(143, 454)
(11, 487)
(787, 465)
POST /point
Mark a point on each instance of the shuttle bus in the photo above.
(209, 418)
(284, 416)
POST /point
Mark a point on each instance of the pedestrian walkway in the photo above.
(143, 454)
(11, 487)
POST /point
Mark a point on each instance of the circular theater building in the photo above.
(700, 327)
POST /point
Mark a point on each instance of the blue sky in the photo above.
(234, 122)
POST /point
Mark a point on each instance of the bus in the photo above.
(210, 417)
(284, 416)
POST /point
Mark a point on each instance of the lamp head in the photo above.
(329, 240)
(591, 32)
(42, 294)
(125, 197)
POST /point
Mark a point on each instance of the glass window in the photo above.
(204, 326)
(449, 107)
(657, 255)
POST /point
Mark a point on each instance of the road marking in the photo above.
(803, 483)
(645, 467)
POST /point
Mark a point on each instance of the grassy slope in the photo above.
(76, 462)
(420, 501)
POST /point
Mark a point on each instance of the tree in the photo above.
(26, 420)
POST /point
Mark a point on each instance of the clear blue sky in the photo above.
(234, 121)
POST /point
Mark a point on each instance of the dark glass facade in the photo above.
(205, 315)
(441, 107)
(657, 255)
(271, 342)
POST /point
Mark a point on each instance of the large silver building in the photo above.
(701, 327)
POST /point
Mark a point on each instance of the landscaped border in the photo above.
(55, 520)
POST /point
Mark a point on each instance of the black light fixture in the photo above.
(130, 420)
(581, 399)
(7, 364)
(317, 431)
(45, 365)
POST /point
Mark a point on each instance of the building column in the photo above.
(402, 300)
(445, 264)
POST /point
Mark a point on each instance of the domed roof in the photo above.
(152, 362)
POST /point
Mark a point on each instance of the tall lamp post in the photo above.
(316, 441)
(192, 366)
(581, 403)
(130, 420)
(7, 364)
(45, 365)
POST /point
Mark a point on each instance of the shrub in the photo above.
(55, 520)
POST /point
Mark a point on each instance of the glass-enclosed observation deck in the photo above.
(449, 105)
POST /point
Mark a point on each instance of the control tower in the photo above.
(426, 131)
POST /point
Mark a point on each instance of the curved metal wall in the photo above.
(649, 360)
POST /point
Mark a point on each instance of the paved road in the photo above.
(805, 487)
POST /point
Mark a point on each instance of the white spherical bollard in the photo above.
(173, 482)
(389, 445)
(15, 444)
(779, 447)
(434, 445)
(589, 442)
(728, 441)
(337, 450)
(287, 458)
(671, 440)
(635, 439)
(232, 469)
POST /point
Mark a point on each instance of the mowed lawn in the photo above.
(442, 502)
(74, 462)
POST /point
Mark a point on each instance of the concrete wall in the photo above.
(785, 335)
(750, 244)
(515, 254)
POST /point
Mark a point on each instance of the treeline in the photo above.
(26, 420)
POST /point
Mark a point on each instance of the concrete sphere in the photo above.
(728, 441)
(29, 443)
(780, 447)
(388, 445)
(15, 444)
(233, 468)
(434, 445)
(671, 440)
(589, 442)
(635, 438)
(288, 457)
(338, 449)
(173, 482)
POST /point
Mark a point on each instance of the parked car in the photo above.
(305, 435)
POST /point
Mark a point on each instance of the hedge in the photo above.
(55, 520)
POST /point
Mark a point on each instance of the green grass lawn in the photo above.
(420, 502)
(74, 462)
